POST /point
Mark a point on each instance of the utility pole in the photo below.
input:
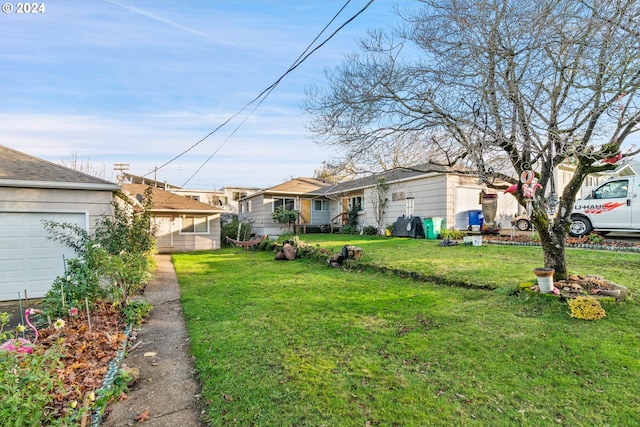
(120, 167)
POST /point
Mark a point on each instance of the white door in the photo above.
(465, 199)
(29, 261)
(164, 231)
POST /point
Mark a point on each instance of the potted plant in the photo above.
(545, 279)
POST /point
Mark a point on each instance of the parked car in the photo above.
(521, 222)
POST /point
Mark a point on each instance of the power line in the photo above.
(299, 60)
(265, 93)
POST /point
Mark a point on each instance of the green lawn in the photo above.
(295, 343)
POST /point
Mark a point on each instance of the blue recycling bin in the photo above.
(475, 218)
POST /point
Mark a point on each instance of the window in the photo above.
(613, 190)
(288, 204)
(397, 196)
(237, 195)
(321, 205)
(355, 201)
(196, 198)
(409, 202)
(195, 224)
(248, 205)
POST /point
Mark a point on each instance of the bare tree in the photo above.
(526, 83)
(84, 165)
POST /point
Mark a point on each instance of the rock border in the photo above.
(112, 373)
(574, 246)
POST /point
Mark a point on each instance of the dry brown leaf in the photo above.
(142, 416)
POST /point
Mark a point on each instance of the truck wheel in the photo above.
(580, 227)
(523, 224)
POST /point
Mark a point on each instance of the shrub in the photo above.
(231, 230)
(349, 229)
(587, 308)
(116, 261)
(370, 230)
(136, 311)
(452, 234)
(595, 239)
(82, 281)
(284, 216)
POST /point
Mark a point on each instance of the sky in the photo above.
(140, 82)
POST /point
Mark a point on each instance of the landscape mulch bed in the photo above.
(89, 346)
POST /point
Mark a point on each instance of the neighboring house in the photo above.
(565, 171)
(424, 190)
(302, 194)
(33, 190)
(180, 223)
(225, 198)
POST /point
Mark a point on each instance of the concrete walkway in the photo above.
(167, 387)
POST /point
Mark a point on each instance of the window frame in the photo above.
(283, 203)
(194, 224)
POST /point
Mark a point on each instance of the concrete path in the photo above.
(167, 387)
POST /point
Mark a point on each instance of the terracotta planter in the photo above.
(545, 279)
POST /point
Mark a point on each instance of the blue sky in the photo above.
(139, 82)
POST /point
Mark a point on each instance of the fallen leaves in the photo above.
(142, 416)
(87, 353)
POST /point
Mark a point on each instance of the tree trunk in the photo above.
(553, 240)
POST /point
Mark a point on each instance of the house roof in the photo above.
(299, 185)
(394, 175)
(18, 169)
(165, 201)
(135, 179)
(295, 187)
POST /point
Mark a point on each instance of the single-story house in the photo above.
(426, 191)
(423, 190)
(33, 190)
(180, 223)
(306, 195)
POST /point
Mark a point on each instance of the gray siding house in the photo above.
(425, 191)
(180, 223)
(33, 190)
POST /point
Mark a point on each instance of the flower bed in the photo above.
(73, 357)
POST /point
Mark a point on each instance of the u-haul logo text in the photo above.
(597, 209)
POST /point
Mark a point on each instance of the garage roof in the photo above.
(165, 201)
(18, 169)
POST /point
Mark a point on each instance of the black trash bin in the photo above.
(408, 227)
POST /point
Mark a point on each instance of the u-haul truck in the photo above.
(613, 206)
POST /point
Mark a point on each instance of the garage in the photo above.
(33, 190)
(29, 261)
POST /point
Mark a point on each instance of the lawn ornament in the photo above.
(22, 345)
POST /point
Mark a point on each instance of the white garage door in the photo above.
(465, 199)
(28, 260)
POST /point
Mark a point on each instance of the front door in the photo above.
(164, 231)
(305, 211)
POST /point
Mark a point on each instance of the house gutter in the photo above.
(186, 211)
(59, 185)
(395, 181)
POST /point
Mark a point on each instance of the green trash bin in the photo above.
(437, 226)
(428, 229)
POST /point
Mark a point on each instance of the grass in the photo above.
(294, 343)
